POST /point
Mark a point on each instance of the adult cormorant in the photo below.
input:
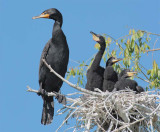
(95, 72)
(123, 82)
(110, 76)
(56, 54)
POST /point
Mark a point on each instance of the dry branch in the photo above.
(152, 50)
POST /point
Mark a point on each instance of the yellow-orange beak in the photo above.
(41, 16)
(130, 74)
(95, 37)
(116, 60)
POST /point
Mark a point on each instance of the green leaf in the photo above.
(109, 40)
(126, 53)
(159, 74)
(68, 77)
(78, 80)
(77, 72)
(130, 32)
(145, 46)
(113, 53)
(140, 42)
(148, 72)
(152, 74)
(104, 59)
(128, 42)
(133, 37)
(140, 33)
(97, 46)
(142, 49)
(148, 38)
(121, 40)
(155, 69)
(136, 50)
(81, 82)
(133, 31)
(120, 53)
(132, 45)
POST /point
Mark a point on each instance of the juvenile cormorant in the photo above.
(56, 54)
(110, 76)
(123, 82)
(95, 72)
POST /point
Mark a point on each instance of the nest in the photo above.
(114, 111)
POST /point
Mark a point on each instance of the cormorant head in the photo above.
(50, 14)
(126, 73)
(98, 38)
(112, 60)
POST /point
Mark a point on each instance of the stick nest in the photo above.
(114, 111)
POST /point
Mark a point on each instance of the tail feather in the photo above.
(48, 111)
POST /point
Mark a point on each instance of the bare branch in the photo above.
(152, 50)
(150, 33)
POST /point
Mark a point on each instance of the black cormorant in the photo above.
(123, 82)
(95, 72)
(110, 76)
(56, 54)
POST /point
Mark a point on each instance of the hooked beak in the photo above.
(41, 16)
(130, 74)
(116, 60)
(95, 37)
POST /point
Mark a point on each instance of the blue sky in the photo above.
(22, 41)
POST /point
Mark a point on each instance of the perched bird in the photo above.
(123, 82)
(56, 54)
(110, 76)
(95, 72)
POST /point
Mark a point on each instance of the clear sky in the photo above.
(22, 40)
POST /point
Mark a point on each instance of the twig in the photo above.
(150, 33)
(152, 50)
(143, 79)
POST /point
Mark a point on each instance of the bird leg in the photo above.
(41, 91)
(61, 98)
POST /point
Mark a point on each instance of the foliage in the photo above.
(131, 48)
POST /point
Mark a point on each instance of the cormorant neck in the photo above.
(56, 27)
(98, 58)
(103, 46)
(109, 64)
(59, 20)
